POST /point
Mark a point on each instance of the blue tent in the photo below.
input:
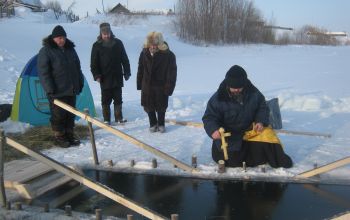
(30, 104)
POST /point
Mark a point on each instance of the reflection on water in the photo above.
(207, 199)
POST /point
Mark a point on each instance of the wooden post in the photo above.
(244, 166)
(8, 205)
(92, 139)
(18, 206)
(110, 163)
(98, 213)
(106, 191)
(174, 217)
(221, 165)
(2, 183)
(46, 207)
(194, 161)
(68, 210)
(127, 137)
(154, 163)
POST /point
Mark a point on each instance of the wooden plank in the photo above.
(3, 199)
(342, 217)
(128, 138)
(21, 175)
(200, 125)
(324, 168)
(86, 181)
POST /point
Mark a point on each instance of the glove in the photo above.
(127, 76)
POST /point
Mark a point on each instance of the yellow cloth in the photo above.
(268, 135)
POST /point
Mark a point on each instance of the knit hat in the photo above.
(58, 31)
(105, 27)
(236, 77)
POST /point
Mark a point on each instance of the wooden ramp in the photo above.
(31, 178)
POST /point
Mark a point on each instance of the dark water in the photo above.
(207, 199)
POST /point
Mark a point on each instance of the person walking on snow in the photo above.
(240, 108)
(62, 79)
(109, 63)
(156, 78)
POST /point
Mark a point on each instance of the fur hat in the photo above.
(58, 31)
(105, 27)
(236, 77)
(155, 38)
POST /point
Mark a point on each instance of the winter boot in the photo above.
(161, 122)
(153, 124)
(71, 138)
(106, 112)
(118, 114)
(60, 139)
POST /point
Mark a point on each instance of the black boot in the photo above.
(71, 138)
(118, 114)
(60, 139)
(161, 122)
(153, 123)
(106, 112)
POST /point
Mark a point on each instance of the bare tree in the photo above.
(55, 6)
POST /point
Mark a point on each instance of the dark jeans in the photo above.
(62, 120)
(115, 94)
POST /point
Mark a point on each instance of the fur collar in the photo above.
(48, 41)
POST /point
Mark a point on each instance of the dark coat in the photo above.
(59, 69)
(109, 63)
(156, 78)
(224, 111)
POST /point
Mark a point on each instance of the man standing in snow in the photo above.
(240, 108)
(62, 79)
(156, 78)
(109, 62)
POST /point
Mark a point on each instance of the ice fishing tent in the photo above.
(30, 104)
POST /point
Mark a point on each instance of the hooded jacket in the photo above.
(235, 117)
(59, 69)
(109, 63)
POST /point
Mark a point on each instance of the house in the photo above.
(119, 9)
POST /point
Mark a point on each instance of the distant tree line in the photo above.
(225, 21)
(56, 7)
(236, 22)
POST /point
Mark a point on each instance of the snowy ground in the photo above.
(311, 83)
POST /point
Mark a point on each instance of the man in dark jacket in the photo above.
(238, 106)
(156, 78)
(61, 76)
(109, 62)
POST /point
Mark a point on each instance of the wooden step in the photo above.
(41, 184)
(32, 178)
(20, 171)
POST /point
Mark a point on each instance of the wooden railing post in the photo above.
(92, 138)
(2, 184)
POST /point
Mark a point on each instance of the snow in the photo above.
(311, 83)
